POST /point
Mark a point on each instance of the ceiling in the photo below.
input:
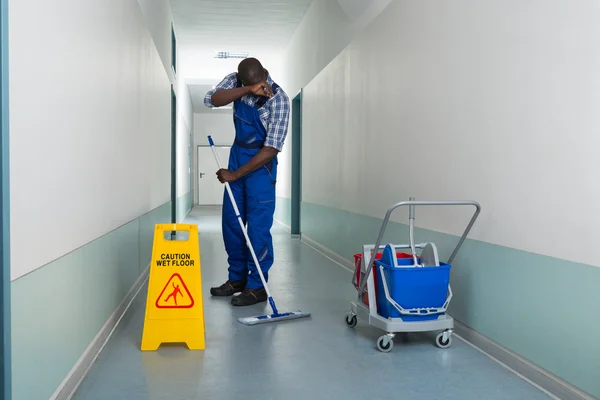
(237, 24)
(262, 28)
(355, 8)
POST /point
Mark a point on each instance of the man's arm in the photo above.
(265, 155)
(276, 134)
(229, 82)
(222, 97)
(226, 91)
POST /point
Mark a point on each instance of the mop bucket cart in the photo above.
(400, 292)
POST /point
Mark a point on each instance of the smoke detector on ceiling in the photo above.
(230, 54)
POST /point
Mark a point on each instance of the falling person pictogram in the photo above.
(174, 293)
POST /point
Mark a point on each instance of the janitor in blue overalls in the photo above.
(261, 111)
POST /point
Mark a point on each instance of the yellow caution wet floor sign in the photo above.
(174, 307)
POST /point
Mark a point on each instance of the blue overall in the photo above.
(255, 198)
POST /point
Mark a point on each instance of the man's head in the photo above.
(251, 72)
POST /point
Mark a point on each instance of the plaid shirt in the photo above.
(274, 114)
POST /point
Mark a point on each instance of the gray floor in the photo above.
(310, 358)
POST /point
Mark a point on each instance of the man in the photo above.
(261, 112)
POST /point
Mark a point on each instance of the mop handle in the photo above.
(239, 217)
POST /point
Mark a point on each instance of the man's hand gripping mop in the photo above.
(276, 316)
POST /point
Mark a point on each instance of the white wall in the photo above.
(325, 30)
(159, 20)
(495, 101)
(89, 111)
(219, 125)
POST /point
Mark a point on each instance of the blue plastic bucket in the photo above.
(412, 287)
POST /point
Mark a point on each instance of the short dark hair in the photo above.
(251, 71)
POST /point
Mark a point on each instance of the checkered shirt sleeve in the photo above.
(278, 120)
(229, 82)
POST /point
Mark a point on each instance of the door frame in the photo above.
(224, 164)
(191, 169)
(296, 183)
(5, 328)
(173, 156)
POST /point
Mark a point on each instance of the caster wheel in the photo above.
(382, 346)
(441, 343)
(351, 320)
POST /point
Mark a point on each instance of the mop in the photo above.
(261, 319)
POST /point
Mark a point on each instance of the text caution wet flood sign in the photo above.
(174, 307)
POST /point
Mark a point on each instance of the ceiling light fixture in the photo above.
(229, 54)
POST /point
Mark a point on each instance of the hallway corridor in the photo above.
(313, 358)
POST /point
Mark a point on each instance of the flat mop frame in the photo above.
(276, 316)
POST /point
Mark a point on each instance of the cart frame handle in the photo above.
(412, 203)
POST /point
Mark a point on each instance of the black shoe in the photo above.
(249, 297)
(228, 288)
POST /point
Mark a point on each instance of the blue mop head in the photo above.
(276, 316)
(263, 319)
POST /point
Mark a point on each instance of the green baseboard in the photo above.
(542, 308)
(58, 309)
(184, 205)
(283, 210)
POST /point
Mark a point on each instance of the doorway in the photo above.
(210, 190)
(173, 156)
(5, 345)
(296, 164)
